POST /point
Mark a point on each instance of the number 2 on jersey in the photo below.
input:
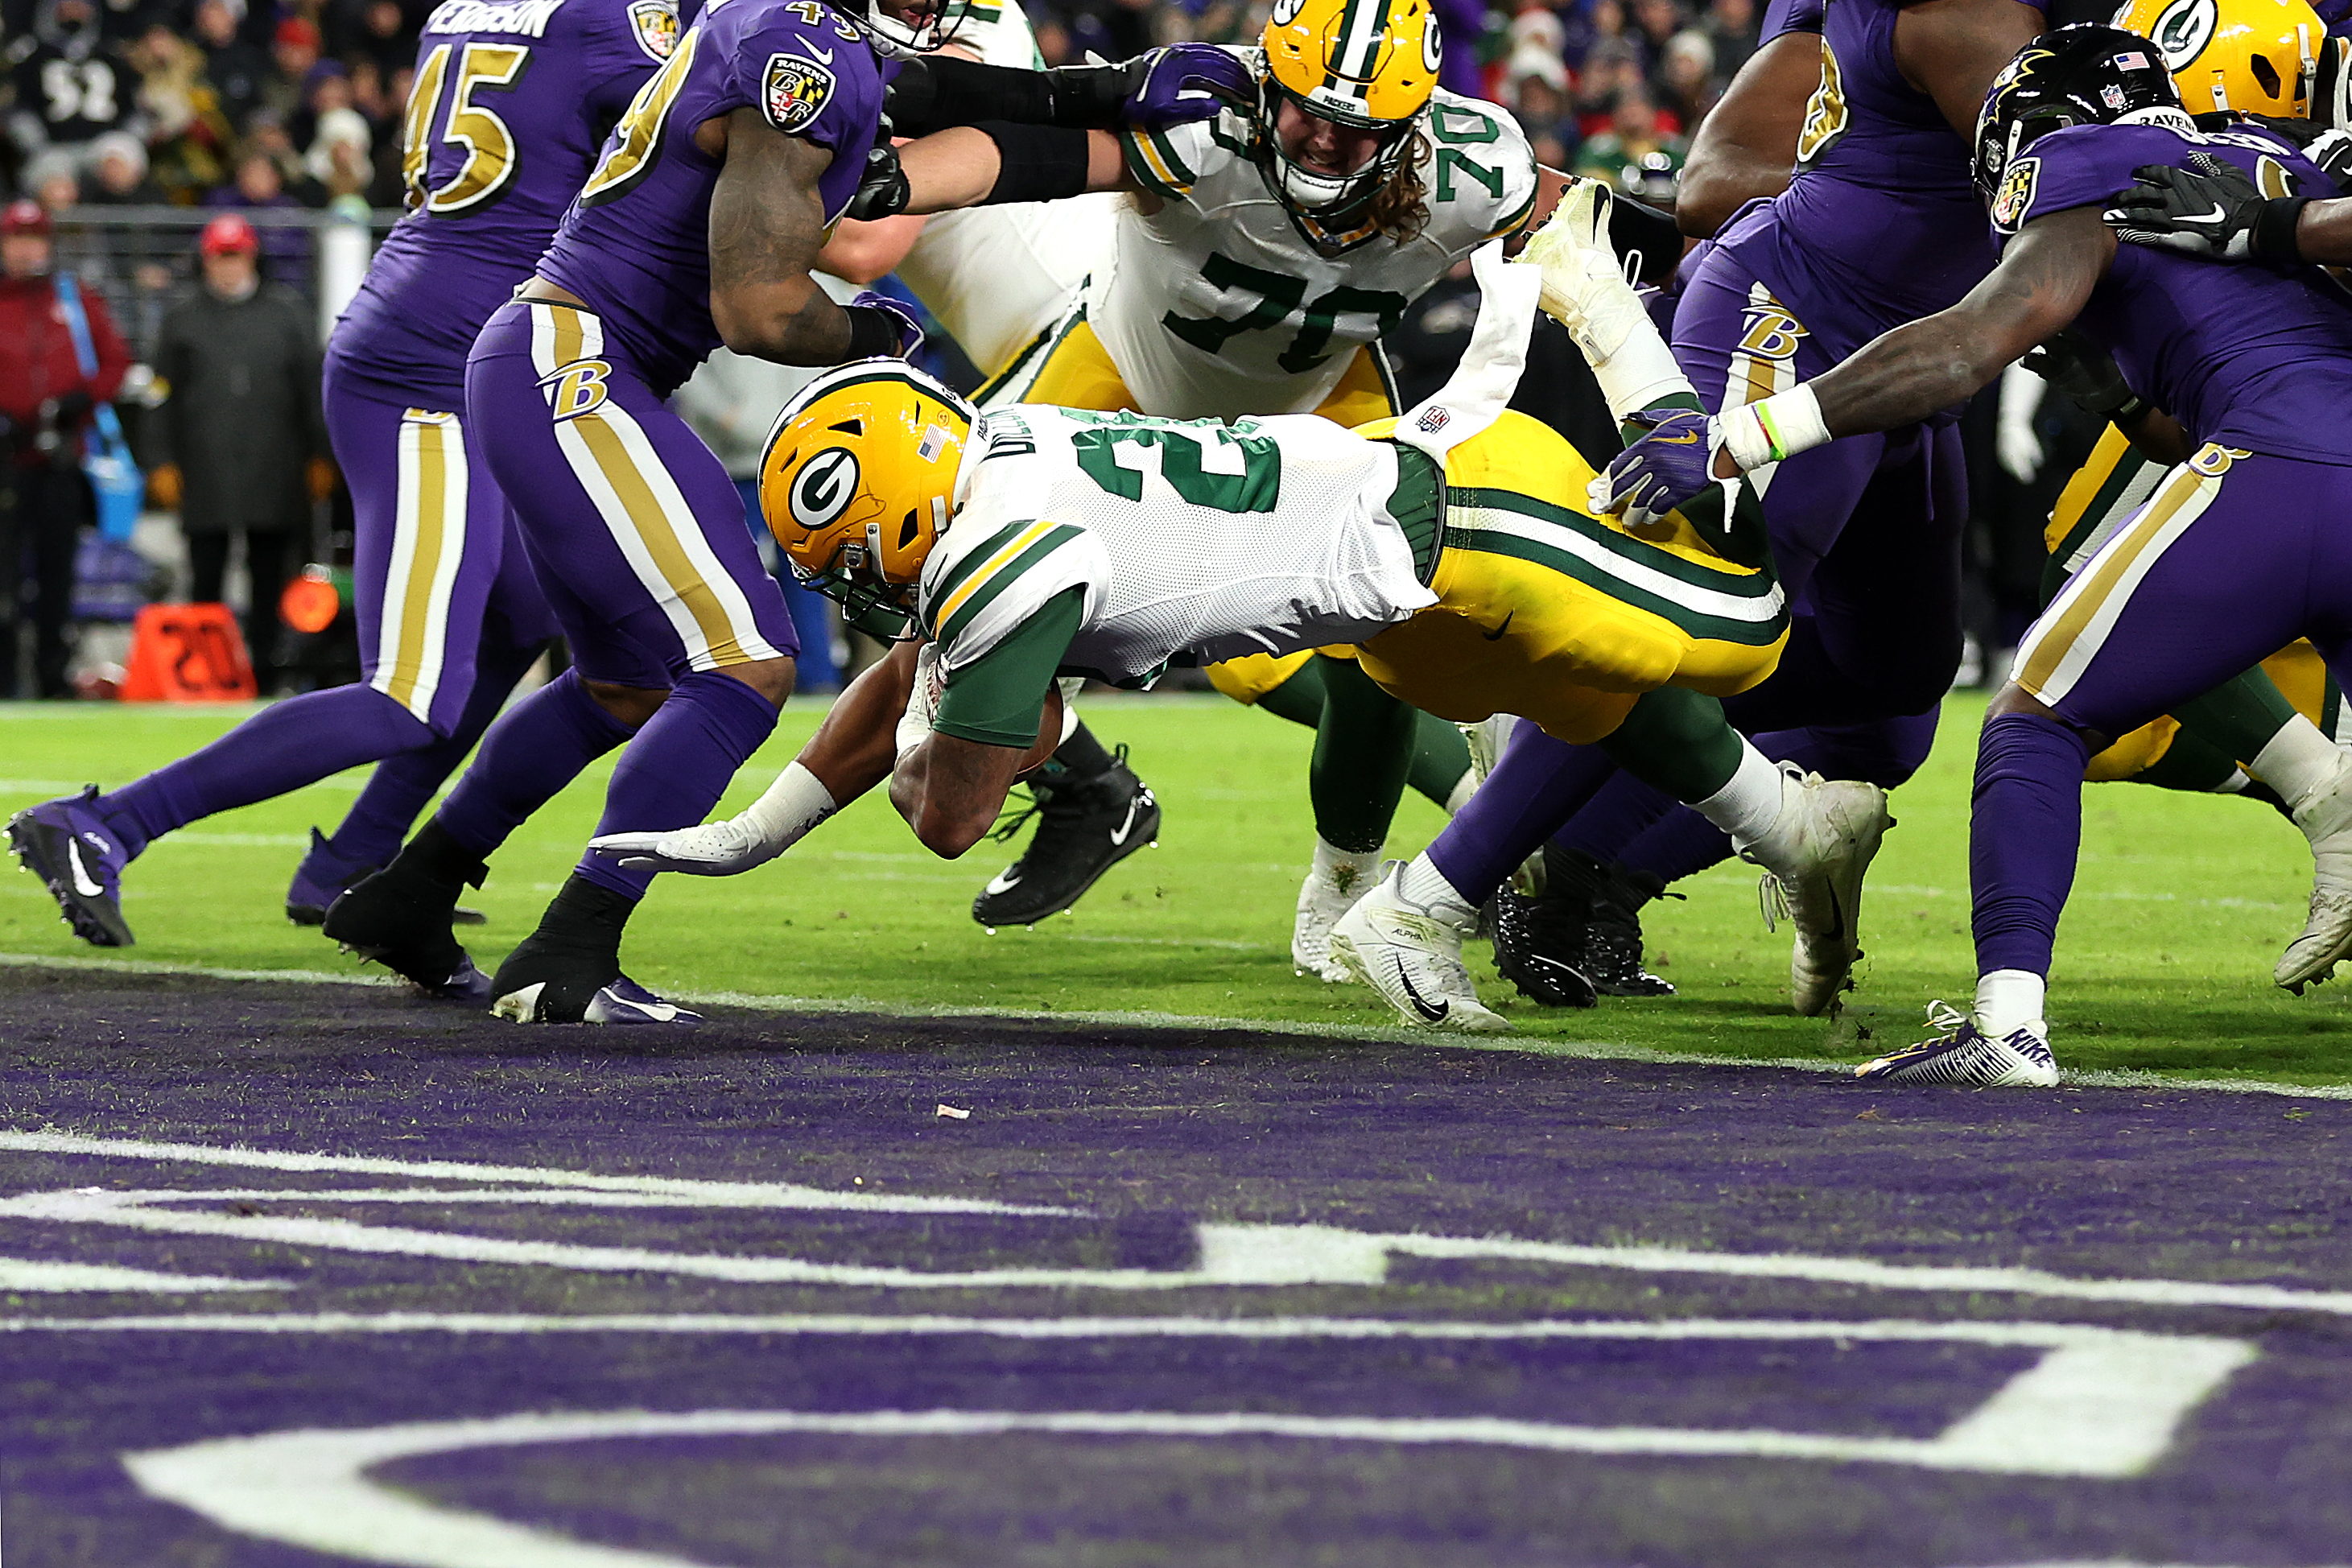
(490, 164)
(1255, 489)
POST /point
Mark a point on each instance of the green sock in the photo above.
(1440, 757)
(1300, 698)
(1679, 741)
(1363, 749)
(2188, 764)
(2238, 717)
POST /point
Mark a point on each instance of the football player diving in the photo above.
(1031, 543)
(1260, 259)
(2238, 553)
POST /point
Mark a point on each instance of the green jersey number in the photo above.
(1458, 127)
(1279, 298)
(1183, 447)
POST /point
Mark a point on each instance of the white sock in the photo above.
(2297, 761)
(2010, 999)
(1347, 870)
(1464, 788)
(795, 803)
(1748, 805)
(1422, 883)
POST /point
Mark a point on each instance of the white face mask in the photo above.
(895, 39)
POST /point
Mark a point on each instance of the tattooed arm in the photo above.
(767, 225)
(2046, 275)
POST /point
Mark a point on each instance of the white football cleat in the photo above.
(1412, 954)
(1965, 1055)
(1815, 857)
(2325, 818)
(1329, 891)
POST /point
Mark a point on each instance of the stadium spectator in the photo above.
(1686, 82)
(260, 186)
(69, 86)
(45, 406)
(188, 149)
(1730, 27)
(1636, 154)
(336, 157)
(1538, 98)
(118, 176)
(240, 73)
(241, 443)
(295, 49)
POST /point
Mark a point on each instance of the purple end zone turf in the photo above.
(1147, 1135)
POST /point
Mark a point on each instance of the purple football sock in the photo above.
(372, 831)
(1536, 786)
(285, 746)
(533, 750)
(1680, 843)
(2025, 827)
(678, 766)
(1617, 815)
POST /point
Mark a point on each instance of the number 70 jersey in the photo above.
(1224, 302)
(1267, 536)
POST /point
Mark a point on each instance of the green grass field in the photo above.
(2164, 960)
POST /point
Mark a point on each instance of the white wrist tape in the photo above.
(922, 700)
(1780, 426)
(1638, 372)
(782, 817)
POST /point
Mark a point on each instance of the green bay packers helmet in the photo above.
(857, 481)
(2257, 57)
(1370, 65)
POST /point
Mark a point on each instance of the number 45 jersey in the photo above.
(1268, 536)
(510, 103)
(1226, 302)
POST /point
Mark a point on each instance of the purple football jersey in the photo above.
(511, 101)
(2258, 358)
(1882, 210)
(1797, 17)
(636, 247)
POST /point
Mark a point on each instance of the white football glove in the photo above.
(930, 684)
(771, 825)
(1584, 290)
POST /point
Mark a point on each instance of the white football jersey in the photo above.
(1224, 302)
(998, 276)
(1267, 536)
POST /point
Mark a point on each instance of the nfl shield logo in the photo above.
(2113, 97)
(798, 91)
(1432, 420)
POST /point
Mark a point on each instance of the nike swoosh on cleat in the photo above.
(1004, 882)
(83, 884)
(1128, 827)
(1496, 634)
(1436, 1015)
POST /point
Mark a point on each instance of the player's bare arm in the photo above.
(949, 790)
(967, 166)
(2046, 275)
(1951, 50)
(1747, 145)
(767, 225)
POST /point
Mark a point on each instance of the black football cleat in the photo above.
(400, 917)
(1085, 827)
(79, 860)
(325, 876)
(569, 970)
(1612, 940)
(1539, 947)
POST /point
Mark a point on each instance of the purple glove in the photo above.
(1667, 466)
(911, 331)
(1185, 82)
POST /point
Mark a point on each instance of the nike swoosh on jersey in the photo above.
(1129, 826)
(83, 883)
(1496, 634)
(1436, 1015)
(823, 57)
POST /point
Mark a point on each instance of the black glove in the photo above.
(2085, 373)
(882, 190)
(73, 407)
(2214, 212)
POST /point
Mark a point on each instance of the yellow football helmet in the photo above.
(1368, 64)
(857, 483)
(2257, 57)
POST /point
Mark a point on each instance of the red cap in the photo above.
(299, 30)
(227, 232)
(23, 215)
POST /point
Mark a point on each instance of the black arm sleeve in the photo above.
(1635, 228)
(933, 94)
(1036, 162)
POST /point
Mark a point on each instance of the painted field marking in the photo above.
(1229, 1255)
(1572, 1050)
(2102, 1404)
(39, 1274)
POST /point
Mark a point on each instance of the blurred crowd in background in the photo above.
(133, 127)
